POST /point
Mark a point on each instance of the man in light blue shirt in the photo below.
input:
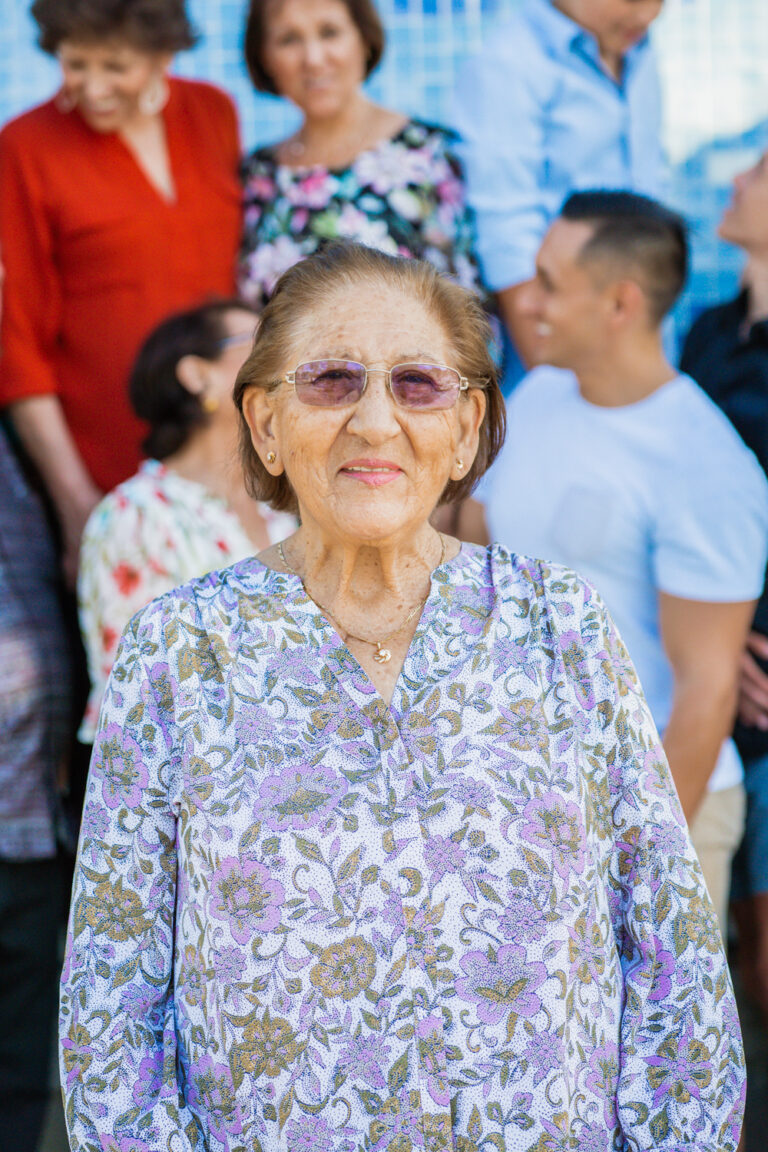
(564, 97)
(618, 466)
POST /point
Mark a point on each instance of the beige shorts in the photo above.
(716, 831)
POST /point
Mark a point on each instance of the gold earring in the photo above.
(271, 457)
(459, 464)
(210, 404)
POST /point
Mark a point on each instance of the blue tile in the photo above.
(426, 39)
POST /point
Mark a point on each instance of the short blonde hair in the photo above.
(306, 286)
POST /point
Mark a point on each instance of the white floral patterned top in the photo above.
(471, 921)
(152, 532)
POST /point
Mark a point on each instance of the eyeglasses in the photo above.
(336, 383)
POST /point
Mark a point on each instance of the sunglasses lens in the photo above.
(330, 383)
(425, 386)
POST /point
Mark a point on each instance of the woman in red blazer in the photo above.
(119, 203)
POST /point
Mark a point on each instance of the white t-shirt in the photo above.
(661, 495)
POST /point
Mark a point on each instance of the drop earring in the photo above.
(65, 101)
(210, 404)
(154, 97)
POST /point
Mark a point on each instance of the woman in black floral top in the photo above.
(353, 169)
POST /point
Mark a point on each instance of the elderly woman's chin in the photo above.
(367, 512)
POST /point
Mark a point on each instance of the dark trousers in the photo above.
(31, 908)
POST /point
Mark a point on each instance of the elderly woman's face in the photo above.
(314, 54)
(369, 470)
(105, 81)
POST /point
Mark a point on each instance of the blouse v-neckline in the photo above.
(348, 670)
(153, 189)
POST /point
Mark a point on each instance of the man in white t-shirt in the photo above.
(623, 469)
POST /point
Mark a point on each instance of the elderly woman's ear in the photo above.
(258, 413)
(470, 412)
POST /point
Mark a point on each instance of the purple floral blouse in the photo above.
(306, 922)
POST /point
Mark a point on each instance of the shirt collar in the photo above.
(757, 331)
(564, 36)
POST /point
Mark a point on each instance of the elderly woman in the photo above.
(119, 204)
(380, 849)
(353, 168)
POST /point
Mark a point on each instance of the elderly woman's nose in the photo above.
(374, 417)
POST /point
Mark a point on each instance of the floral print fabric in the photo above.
(404, 196)
(303, 920)
(152, 532)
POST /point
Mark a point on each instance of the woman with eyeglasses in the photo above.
(380, 849)
(120, 202)
(185, 511)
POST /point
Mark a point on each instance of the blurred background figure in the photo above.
(119, 203)
(35, 722)
(624, 470)
(727, 352)
(566, 96)
(353, 169)
(185, 512)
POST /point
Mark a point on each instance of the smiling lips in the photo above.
(374, 473)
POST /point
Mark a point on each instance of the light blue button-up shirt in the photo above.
(540, 118)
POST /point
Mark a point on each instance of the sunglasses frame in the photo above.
(290, 378)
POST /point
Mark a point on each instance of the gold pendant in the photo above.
(382, 655)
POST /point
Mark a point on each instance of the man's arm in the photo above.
(704, 643)
(504, 168)
(753, 683)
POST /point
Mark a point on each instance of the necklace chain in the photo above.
(382, 655)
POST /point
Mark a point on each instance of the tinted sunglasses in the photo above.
(336, 383)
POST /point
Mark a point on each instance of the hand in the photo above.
(73, 513)
(753, 684)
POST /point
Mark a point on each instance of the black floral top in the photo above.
(404, 196)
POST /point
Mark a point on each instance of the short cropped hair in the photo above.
(155, 391)
(364, 16)
(147, 25)
(310, 284)
(639, 233)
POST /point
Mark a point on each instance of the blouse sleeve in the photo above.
(681, 1076)
(118, 1052)
(124, 564)
(31, 313)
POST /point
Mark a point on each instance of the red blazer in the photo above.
(95, 257)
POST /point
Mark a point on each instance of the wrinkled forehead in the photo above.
(367, 320)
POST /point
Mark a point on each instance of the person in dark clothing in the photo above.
(35, 724)
(726, 351)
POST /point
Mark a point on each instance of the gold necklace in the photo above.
(382, 655)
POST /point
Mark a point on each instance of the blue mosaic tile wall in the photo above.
(712, 55)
